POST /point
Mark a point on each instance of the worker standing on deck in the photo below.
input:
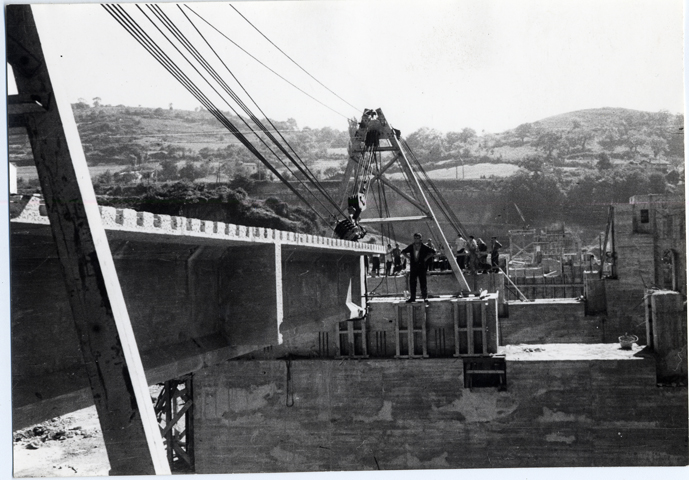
(375, 265)
(418, 254)
(472, 247)
(388, 260)
(483, 256)
(397, 259)
(495, 246)
(461, 252)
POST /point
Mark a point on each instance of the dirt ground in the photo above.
(67, 446)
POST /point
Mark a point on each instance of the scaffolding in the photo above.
(550, 248)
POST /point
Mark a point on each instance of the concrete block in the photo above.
(108, 216)
(550, 321)
(144, 220)
(178, 224)
(207, 226)
(163, 222)
(193, 225)
(126, 217)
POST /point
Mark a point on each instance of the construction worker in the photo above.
(472, 247)
(460, 245)
(418, 255)
(483, 255)
(397, 259)
(388, 260)
(494, 253)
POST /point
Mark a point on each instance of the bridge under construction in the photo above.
(274, 355)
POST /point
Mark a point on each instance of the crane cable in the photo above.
(199, 58)
(134, 29)
(303, 168)
(182, 40)
(264, 65)
(290, 58)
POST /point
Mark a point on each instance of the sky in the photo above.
(489, 65)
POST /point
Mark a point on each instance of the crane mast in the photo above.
(370, 137)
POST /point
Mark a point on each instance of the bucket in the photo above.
(626, 341)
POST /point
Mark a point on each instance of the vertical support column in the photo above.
(410, 330)
(470, 328)
(364, 348)
(111, 356)
(648, 314)
(455, 314)
(280, 312)
(424, 340)
(350, 338)
(484, 343)
(398, 320)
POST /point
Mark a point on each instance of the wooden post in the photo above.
(111, 357)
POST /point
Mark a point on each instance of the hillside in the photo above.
(563, 168)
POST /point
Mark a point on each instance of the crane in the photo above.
(370, 137)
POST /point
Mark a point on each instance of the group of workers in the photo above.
(471, 255)
(393, 262)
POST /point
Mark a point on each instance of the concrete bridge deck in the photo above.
(197, 293)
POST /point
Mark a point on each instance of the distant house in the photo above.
(128, 177)
(247, 169)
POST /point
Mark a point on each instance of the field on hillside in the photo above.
(468, 172)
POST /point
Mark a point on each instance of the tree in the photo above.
(240, 181)
(582, 137)
(523, 131)
(547, 142)
(105, 177)
(533, 164)
(604, 162)
(658, 145)
(168, 170)
(635, 141)
(427, 144)
(96, 101)
(467, 135)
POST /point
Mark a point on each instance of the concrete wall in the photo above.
(442, 284)
(552, 321)
(325, 415)
(315, 288)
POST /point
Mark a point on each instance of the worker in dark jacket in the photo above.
(418, 255)
(495, 247)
